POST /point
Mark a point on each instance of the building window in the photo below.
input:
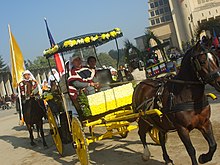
(168, 17)
(156, 4)
(203, 1)
(162, 19)
(209, 13)
(152, 22)
(216, 11)
(166, 9)
(161, 11)
(152, 13)
(157, 20)
(199, 1)
(157, 12)
(165, 1)
(202, 14)
(151, 5)
(160, 2)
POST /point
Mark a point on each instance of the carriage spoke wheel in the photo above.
(80, 142)
(154, 134)
(54, 131)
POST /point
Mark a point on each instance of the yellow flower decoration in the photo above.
(103, 36)
(107, 35)
(94, 38)
(74, 42)
(67, 43)
(87, 40)
(80, 41)
(113, 33)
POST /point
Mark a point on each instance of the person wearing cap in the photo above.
(28, 78)
(81, 78)
(53, 77)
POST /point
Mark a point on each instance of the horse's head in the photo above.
(206, 65)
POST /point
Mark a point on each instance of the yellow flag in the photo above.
(17, 61)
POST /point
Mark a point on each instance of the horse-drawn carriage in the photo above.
(110, 108)
(154, 60)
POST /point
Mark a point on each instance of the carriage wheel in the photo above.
(80, 142)
(54, 131)
(154, 134)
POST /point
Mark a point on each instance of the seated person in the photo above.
(91, 61)
(114, 73)
(124, 75)
(53, 80)
(80, 78)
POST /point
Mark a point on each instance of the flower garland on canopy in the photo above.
(95, 39)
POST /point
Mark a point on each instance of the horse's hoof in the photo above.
(169, 163)
(204, 159)
(33, 144)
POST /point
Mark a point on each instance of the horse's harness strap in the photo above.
(183, 82)
(186, 106)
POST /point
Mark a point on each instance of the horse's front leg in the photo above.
(143, 129)
(162, 138)
(30, 130)
(184, 136)
(207, 132)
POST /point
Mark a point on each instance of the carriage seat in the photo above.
(104, 76)
(110, 99)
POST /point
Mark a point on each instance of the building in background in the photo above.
(176, 20)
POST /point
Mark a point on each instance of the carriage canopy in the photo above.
(92, 39)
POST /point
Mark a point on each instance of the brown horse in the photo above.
(33, 111)
(182, 101)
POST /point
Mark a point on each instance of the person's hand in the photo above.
(96, 85)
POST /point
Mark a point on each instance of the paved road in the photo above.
(16, 150)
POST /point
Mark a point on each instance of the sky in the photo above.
(68, 18)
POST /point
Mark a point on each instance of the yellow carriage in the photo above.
(111, 109)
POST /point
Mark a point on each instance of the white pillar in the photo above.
(2, 87)
(8, 87)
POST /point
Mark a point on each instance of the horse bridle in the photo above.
(198, 66)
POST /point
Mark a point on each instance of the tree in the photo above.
(106, 60)
(3, 66)
(208, 26)
(114, 55)
(85, 52)
(39, 63)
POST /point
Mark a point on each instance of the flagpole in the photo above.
(15, 69)
(62, 95)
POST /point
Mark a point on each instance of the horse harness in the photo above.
(156, 101)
